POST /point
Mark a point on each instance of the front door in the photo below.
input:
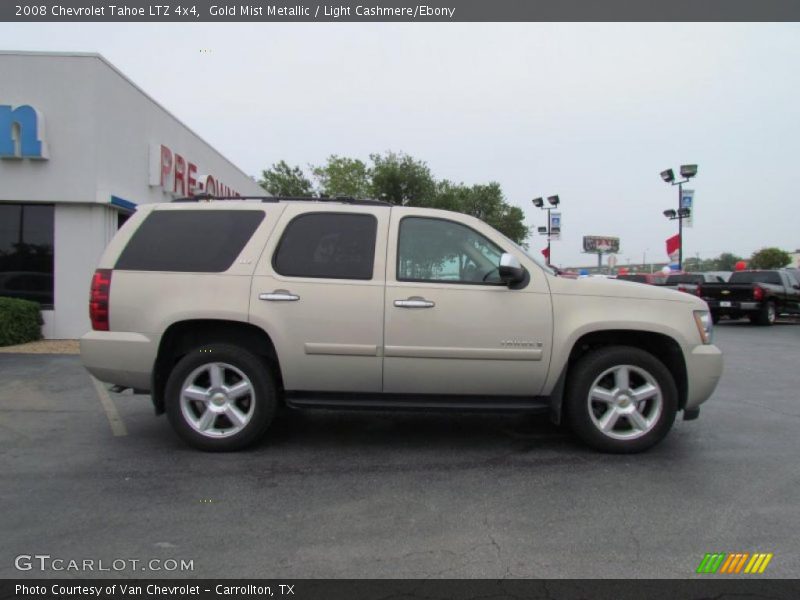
(452, 327)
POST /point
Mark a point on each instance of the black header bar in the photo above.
(732, 588)
(170, 11)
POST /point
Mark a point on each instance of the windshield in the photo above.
(639, 278)
(684, 278)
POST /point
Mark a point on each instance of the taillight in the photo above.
(689, 289)
(758, 293)
(98, 299)
(698, 291)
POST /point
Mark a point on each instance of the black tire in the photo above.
(715, 317)
(767, 315)
(581, 413)
(259, 405)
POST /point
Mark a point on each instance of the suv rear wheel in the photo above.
(220, 397)
(621, 399)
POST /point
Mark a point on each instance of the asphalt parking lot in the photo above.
(403, 495)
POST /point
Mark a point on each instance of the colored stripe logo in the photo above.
(735, 563)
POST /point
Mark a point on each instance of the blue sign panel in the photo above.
(22, 132)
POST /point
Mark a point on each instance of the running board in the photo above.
(417, 402)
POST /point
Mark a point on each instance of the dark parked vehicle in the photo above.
(690, 283)
(651, 278)
(759, 295)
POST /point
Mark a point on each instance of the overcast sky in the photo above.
(591, 112)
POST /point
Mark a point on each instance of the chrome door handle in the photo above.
(279, 296)
(414, 302)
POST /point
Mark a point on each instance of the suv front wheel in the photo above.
(220, 397)
(621, 399)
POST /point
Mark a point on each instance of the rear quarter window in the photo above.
(195, 241)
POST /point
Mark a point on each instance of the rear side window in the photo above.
(328, 245)
(195, 241)
(755, 277)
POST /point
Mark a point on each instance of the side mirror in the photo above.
(510, 270)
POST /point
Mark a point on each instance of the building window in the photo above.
(26, 252)
(121, 218)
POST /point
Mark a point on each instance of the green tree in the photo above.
(485, 202)
(726, 262)
(282, 180)
(342, 176)
(401, 180)
(769, 258)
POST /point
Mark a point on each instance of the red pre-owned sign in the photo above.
(178, 176)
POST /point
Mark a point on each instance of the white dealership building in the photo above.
(81, 146)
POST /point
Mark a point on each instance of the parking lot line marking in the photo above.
(117, 425)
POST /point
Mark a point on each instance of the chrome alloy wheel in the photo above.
(625, 402)
(217, 400)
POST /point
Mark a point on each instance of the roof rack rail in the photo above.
(342, 199)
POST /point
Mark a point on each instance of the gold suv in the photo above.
(225, 310)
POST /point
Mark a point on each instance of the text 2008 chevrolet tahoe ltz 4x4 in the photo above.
(224, 310)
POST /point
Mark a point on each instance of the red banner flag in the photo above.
(672, 244)
(546, 253)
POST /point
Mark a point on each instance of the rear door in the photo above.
(318, 290)
(451, 326)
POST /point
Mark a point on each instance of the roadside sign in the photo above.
(555, 225)
(687, 201)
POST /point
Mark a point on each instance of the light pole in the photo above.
(687, 172)
(548, 231)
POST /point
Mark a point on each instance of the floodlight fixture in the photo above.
(548, 230)
(683, 212)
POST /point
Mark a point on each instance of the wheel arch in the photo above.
(663, 347)
(182, 336)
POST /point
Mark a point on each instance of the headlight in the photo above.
(705, 325)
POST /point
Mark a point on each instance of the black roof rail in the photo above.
(342, 199)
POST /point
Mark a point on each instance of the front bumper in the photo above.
(120, 357)
(703, 370)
